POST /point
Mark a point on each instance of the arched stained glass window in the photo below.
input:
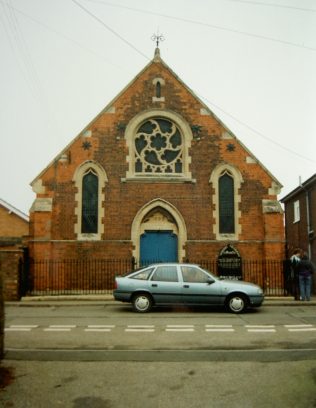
(90, 188)
(158, 147)
(226, 204)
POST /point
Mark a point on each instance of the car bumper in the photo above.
(256, 301)
(122, 296)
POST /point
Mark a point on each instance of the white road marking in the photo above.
(306, 329)
(144, 328)
(300, 327)
(60, 328)
(149, 328)
(260, 328)
(219, 328)
(140, 330)
(223, 330)
(180, 328)
(97, 330)
(56, 329)
(21, 329)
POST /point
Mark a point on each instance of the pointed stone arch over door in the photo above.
(156, 222)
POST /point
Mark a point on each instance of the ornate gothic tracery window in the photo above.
(158, 143)
(158, 147)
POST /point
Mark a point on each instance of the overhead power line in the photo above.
(259, 133)
(21, 52)
(275, 5)
(133, 47)
(66, 37)
(109, 29)
(201, 23)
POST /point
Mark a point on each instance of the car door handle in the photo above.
(186, 286)
(154, 285)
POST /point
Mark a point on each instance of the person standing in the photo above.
(304, 270)
(294, 260)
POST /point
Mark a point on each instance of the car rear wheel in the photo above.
(237, 303)
(142, 303)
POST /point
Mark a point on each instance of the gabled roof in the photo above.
(157, 59)
(14, 210)
(302, 187)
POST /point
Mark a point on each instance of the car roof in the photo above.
(169, 264)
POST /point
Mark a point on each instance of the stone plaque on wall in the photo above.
(271, 206)
(42, 205)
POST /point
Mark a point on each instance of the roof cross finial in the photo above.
(158, 38)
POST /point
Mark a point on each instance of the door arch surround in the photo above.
(138, 226)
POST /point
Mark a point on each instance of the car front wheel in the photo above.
(142, 303)
(237, 303)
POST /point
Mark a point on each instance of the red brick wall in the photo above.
(9, 269)
(11, 225)
(122, 200)
(296, 232)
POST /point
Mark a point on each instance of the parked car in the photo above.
(184, 284)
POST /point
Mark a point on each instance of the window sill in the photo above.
(158, 179)
(89, 237)
(225, 237)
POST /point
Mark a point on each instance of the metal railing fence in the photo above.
(97, 276)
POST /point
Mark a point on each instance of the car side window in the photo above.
(193, 275)
(143, 275)
(165, 274)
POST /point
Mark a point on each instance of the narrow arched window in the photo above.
(90, 188)
(158, 89)
(226, 205)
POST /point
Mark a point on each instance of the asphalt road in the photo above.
(104, 355)
(114, 331)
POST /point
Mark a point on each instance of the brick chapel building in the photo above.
(156, 176)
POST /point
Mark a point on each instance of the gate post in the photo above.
(1, 316)
(24, 269)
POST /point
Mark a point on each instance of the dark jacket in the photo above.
(304, 267)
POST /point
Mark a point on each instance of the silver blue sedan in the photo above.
(184, 284)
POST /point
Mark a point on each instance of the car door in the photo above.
(165, 285)
(198, 287)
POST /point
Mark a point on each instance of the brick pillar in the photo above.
(1, 318)
(9, 269)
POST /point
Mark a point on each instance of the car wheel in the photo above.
(142, 302)
(237, 303)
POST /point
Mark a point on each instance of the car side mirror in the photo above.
(210, 281)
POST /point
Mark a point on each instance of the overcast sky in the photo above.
(253, 63)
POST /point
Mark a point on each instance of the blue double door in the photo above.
(158, 246)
